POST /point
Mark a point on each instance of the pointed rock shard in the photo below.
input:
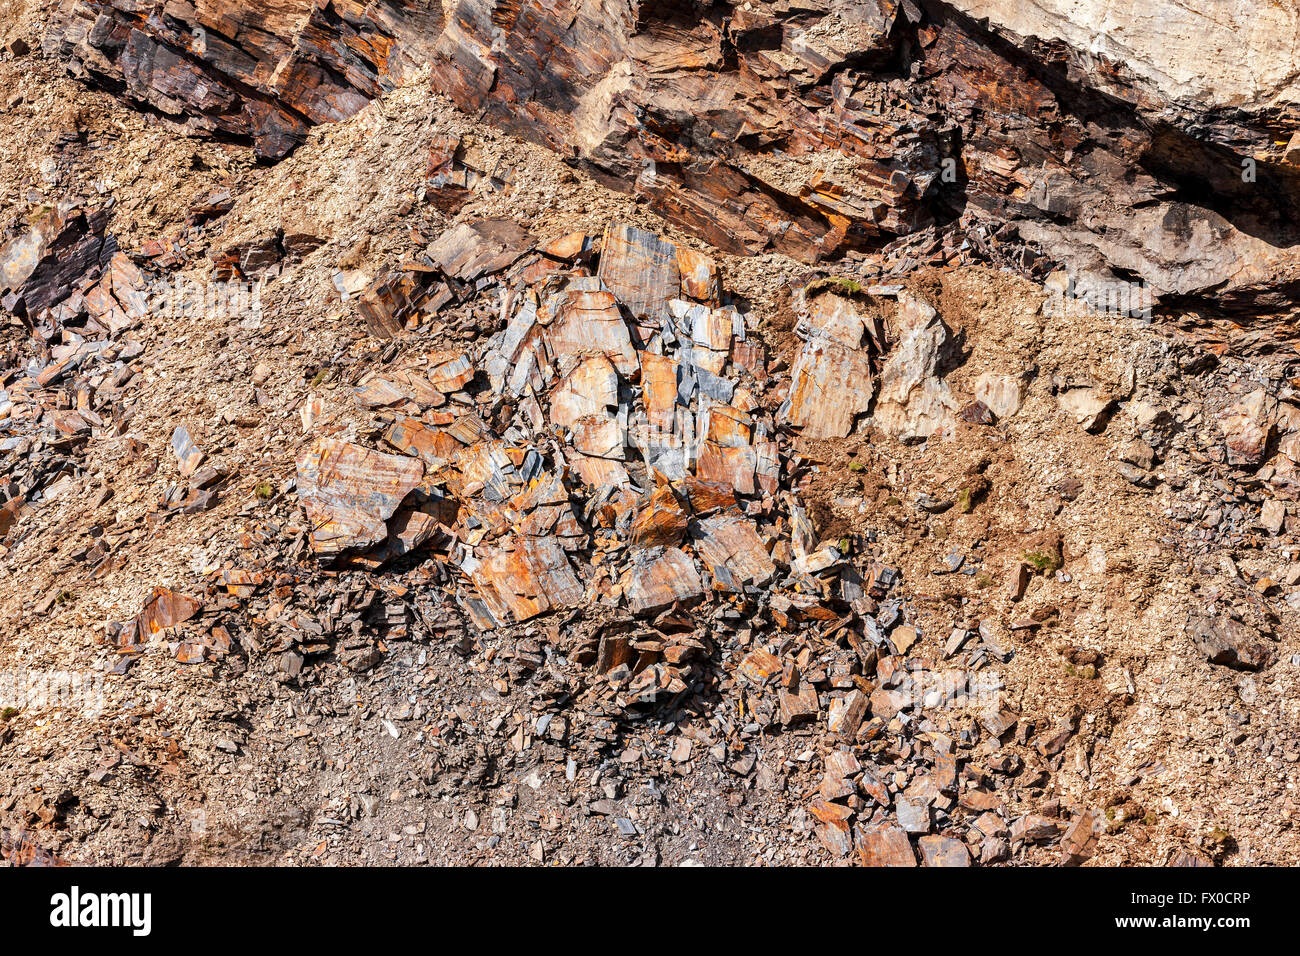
(888, 846)
(349, 493)
(660, 578)
(524, 577)
(831, 381)
(914, 402)
(730, 546)
(188, 455)
(1080, 841)
(640, 269)
(166, 608)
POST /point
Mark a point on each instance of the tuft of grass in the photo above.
(857, 466)
(1043, 560)
(264, 490)
(841, 284)
(8, 712)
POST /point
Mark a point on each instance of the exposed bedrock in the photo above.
(1130, 140)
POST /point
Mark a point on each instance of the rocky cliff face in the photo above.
(572, 431)
(1122, 140)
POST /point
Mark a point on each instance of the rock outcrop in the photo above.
(1122, 141)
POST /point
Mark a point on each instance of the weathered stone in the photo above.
(1088, 406)
(887, 846)
(943, 851)
(1247, 426)
(1002, 394)
(524, 577)
(1229, 642)
(914, 402)
(350, 492)
(660, 578)
(1080, 841)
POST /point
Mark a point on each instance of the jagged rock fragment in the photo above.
(349, 493)
(659, 578)
(915, 402)
(1229, 642)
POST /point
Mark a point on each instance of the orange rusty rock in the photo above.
(659, 384)
(350, 492)
(706, 496)
(17, 848)
(241, 583)
(759, 666)
(599, 472)
(408, 531)
(662, 521)
(699, 275)
(525, 577)
(640, 269)
(729, 427)
(567, 247)
(450, 371)
(433, 446)
(484, 468)
(886, 846)
(828, 812)
(10, 512)
(166, 608)
(390, 301)
(729, 466)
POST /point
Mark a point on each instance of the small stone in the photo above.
(1272, 516)
(943, 851)
(888, 846)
